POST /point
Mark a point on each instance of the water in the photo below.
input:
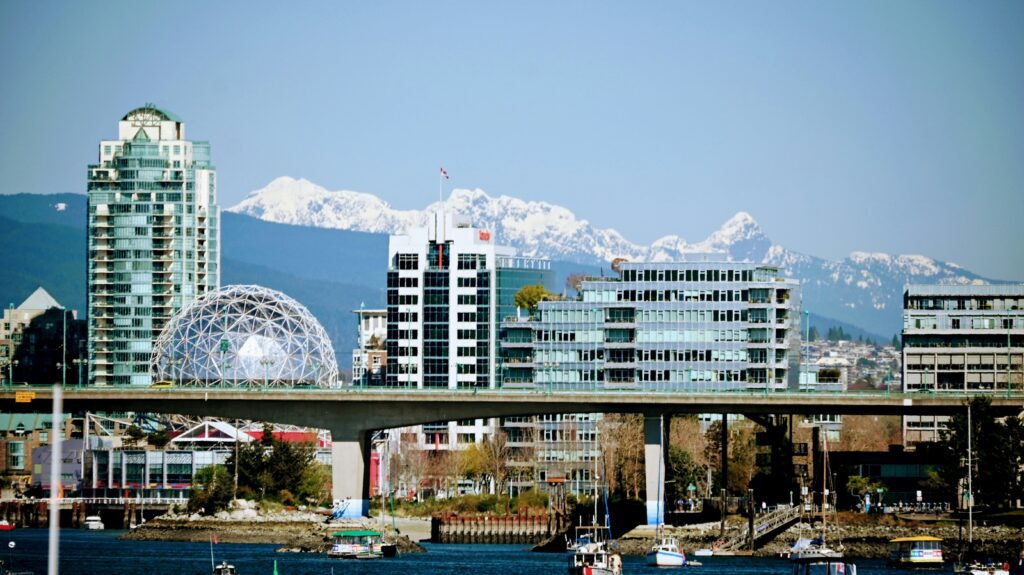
(101, 553)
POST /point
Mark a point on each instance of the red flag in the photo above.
(214, 538)
(437, 441)
(444, 174)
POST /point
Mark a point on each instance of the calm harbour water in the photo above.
(101, 553)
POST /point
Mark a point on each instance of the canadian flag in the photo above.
(444, 174)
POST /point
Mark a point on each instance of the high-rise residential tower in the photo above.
(154, 240)
(448, 285)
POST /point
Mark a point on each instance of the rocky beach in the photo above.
(865, 536)
(293, 530)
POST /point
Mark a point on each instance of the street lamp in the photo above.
(63, 347)
(10, 371)
(266, 362)
(80, 362)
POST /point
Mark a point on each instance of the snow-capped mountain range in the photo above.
(864, 289)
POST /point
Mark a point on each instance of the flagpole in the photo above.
(212, 566)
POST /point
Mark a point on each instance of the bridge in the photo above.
(351, 413)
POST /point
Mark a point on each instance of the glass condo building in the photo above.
(153, 240)
(703, 324)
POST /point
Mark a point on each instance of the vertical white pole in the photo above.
(970, 477)
(53, 555)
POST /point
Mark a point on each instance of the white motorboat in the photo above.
(666, 553)
(94, 523)
(595, 559)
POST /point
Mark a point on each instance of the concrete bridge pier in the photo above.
(350, 472)
(655, 460)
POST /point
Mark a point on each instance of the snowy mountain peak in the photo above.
(864, 288)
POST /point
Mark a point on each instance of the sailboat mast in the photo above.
(824, 485)
(970, 475)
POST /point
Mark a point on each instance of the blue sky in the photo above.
(871, 125)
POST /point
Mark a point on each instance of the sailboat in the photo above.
(817, 557)
(974, 568)
(665, 552)
(590, 554)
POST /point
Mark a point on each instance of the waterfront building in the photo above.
(703, 324)
(153, 240)
(960, 338)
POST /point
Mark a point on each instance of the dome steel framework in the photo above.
(244, 336)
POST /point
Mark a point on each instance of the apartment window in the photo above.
(16, 454)
(408, 261)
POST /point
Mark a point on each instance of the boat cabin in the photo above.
(356, 544)
(224, 569)
(922, 551)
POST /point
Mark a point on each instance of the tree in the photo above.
(530, 296)
(252, 462)
(896, 341)
(496, 453)
(133, 436)
(574, 282)
(859, 486)
(287, 463)
(997, 451)
(741, 456)
(211, 490)
(622, 447)
(158, 439)
(812, 334)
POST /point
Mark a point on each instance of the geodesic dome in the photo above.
(244, 336)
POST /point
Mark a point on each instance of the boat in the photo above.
(703, 552)
(666, 553)
(356, 544)
(594, 558)
(985, 569)
(224, 569)
(915, 552)
(816, 556)
(94, 523)
(822, 565)
(6, 525)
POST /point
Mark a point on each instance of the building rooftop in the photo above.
(152, 109)
(938, 290)
(40, 299)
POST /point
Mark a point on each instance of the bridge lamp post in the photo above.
(266, 362)
(80, 362)
(63, 365)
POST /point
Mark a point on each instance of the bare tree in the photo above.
(496, 454)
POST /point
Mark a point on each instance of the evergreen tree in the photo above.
(896, 341)
(812, 334)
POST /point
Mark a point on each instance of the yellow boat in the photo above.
(915, 552)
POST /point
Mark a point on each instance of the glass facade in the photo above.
(153, 240)
(684, 326)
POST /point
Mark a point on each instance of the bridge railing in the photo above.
(566, 390)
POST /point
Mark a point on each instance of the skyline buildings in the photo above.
(153, 240)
